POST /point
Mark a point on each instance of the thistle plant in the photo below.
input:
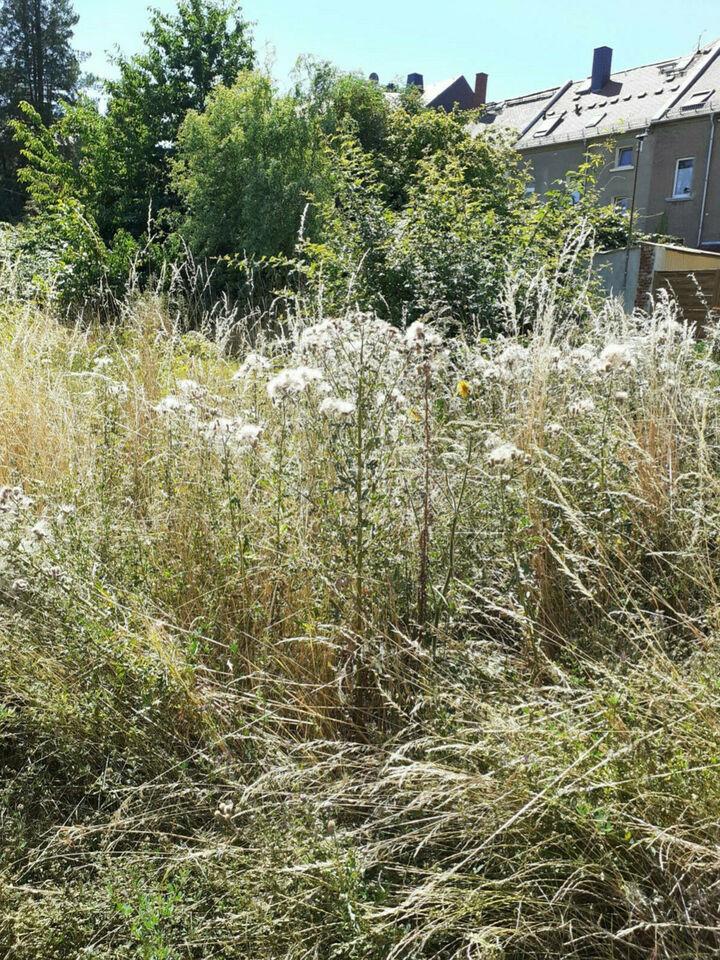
(354, 641)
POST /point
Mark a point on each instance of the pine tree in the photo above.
(38, 65)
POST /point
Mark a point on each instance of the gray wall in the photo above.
(681, 218)
(665, 144)
(610, 267)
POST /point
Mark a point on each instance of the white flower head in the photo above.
(320, 336)
(495, 372)
(504, 454)
(14, 500)
(41, 530)
(669, 328)
(513, 355)
(224, 810)
(248, 435)
(337, 408)
(221, 427)
(232, 432)
(172, 404)
(118, 389)
(292, 381)
(252, 367)
(100, 363)
(395, 398)
(191, 389)
(65, 511)
(615, 357)
(581, 356)
(583, 406)
(419, 336)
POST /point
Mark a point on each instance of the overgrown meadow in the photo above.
(332, 640)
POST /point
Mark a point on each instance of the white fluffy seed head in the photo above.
(419, 336)
(582, 407)
(172, 404)
(505, 454)
(252, 367)
(614, 358)
(248, 435)
(337, 408)
(513, 355)
(292, 381)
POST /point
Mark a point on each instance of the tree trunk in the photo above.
(38, 43)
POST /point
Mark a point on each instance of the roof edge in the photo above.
(689, 83)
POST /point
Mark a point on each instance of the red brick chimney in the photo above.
(481, 82)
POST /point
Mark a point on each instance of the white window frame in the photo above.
(688, 195)
(697, 100)
(595, 122)
(626, 166)
(545, 126)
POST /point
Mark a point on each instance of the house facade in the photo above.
(658, 125)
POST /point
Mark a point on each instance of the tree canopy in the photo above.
(331, 187)
(39, 66)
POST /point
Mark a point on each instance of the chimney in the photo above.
(415, 80)
(481, 82)
(601, 69)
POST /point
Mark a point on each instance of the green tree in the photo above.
(186, 55)
(116, 164)
(436, 218)
(71, 178)
(39, 66)
(344, 102)
(246, 168)
(206, 43)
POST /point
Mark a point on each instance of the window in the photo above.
(596, 121)
(683, 177)
(696, 100)
(624, 158)
(622, 204)
(546, 126)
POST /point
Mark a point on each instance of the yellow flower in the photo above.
(464, 389)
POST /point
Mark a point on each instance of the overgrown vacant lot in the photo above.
(359, 643)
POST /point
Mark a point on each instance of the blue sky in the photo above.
(524, 45)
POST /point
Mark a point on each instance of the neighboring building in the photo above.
(448, 94)
(657, 125)
(659, 121)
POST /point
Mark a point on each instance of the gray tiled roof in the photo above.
(434, 90)
(631, 100)
(517, 114)
(709, 83)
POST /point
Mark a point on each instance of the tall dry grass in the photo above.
(357, 642)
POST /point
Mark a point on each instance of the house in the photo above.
(655, 127)
(658, 124)
(447, 94)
